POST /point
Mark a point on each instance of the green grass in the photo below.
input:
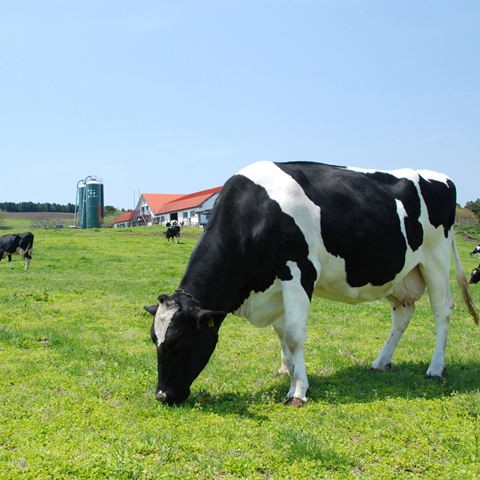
(78, 378)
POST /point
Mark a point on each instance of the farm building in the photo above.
(124, 220)
(193, 209)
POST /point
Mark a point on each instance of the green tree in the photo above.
(109, 210)
(474, 207)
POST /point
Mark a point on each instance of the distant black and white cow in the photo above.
(16, 244)
(475, 277)
(173, 232)
(476, 250)
(282, 232)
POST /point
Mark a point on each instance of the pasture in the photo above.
(78, 378)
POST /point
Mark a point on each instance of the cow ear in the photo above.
(210, 318)
(153, 309)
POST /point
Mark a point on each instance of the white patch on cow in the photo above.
(291, 198)
(399, 173)
(431, 175)
(163, 317)
(263, 308)
(402, 214)
(407, 173)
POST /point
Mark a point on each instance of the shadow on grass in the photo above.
(355, 384)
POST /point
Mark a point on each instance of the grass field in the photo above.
(78, 378)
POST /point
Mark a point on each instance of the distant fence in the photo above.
(466, 221)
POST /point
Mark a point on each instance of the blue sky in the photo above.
(176, 96)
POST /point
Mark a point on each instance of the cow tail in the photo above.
(463, 283)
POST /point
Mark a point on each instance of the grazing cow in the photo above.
(16, 244)
(282, 232)
(475, 277)
(173, 233)
(476, 250)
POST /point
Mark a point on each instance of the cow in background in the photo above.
(16, 244)
(475, 278)
(174, 230)
(476, 251)
(173, 233)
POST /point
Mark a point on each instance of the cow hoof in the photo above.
(378, 369)
(431, 375)
(294, 402)
(297, 402)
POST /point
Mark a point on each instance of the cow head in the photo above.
(475, 278)
(476, 251)
(185, 336)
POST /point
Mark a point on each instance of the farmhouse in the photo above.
(193, 209)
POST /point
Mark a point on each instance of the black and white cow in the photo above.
(16, 244)
(282, 232)
(475, 277)
(173, 232)
(476, 250)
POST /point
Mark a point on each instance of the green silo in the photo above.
(94, 202)
(82, 214)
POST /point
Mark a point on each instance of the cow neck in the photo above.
(210, 278)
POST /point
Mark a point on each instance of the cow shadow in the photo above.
(358, 384)
(354, 384)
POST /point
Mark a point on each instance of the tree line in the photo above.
(36, 207)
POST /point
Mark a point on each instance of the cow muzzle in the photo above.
(172, 397)
(161, 397)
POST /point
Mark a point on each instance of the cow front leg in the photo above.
(296, 305)
(10, 260)
(401, 315)
(287, 358)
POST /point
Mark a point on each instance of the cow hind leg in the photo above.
(442, 304)
(401, 314)
(402, 305)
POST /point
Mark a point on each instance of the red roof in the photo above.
(124, 217)
(186, 202)
(157, 200)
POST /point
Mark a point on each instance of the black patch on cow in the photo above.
(359, 220)
(404, 190)
(441, 199)
(246, 245)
